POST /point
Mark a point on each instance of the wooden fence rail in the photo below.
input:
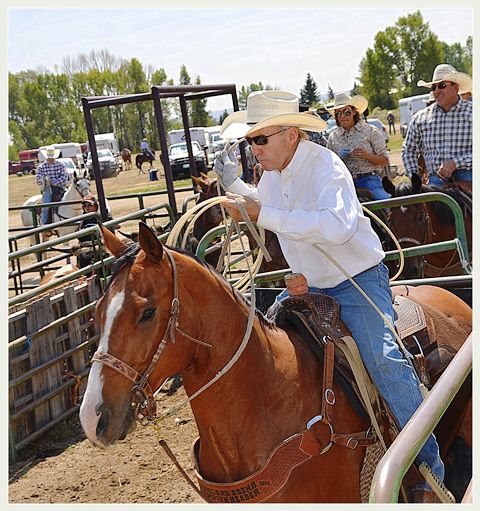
(51, 340)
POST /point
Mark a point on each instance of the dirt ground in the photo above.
(64, 467)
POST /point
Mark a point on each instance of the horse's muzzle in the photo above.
(109, 429)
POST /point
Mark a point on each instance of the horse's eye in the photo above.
(147, 314)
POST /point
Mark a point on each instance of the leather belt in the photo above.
(358, 176)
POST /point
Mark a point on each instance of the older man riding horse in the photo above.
(270, 431)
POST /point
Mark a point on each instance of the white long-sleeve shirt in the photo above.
(313, 201)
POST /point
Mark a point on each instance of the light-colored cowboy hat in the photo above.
(50, 152)
(342, 99)
(270, 108)
(90, 199)
(447, 73)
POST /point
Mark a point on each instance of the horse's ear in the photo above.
(416, 183)
(149, 243)
(201, 184)
(388, 186)
(114, 245)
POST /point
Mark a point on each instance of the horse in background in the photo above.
(78, 188)
(150, 329)
(142, 158)
(430, 222)
(126, 155)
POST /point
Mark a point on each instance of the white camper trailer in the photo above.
(106, 141)
(67, 150)
(408, 107)
(198, 134)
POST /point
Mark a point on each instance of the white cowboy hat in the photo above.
(342, 99)
(50, 152)
(270, 108)
(447, 73)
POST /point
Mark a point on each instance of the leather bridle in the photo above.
(142, 395)
(426, 232)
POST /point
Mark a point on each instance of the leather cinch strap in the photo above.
(266, 482)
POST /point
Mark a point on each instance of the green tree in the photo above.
(245, 90)
(223, 116)
(199, 114)
(330, 93)
(309, 94)
(458, 56)
(402, 55)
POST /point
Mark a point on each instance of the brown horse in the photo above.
(151, 327)
(430, 222)
(127, 159)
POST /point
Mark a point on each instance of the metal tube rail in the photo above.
(73, 235)
(51, 227)
(83, 271)
(57, 282)
(468, 497)
(404, 449)
(427, 197)
(33, 268)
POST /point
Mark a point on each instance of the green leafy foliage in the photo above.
(403, 54)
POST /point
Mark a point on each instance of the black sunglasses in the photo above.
(262, 139)
(347, 112)
(441, 85)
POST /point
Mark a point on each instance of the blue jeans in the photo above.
(374, 185)
(46, 197)
(458, 175)
(391, 374)
(149, 153)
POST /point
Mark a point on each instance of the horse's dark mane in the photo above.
(441, 210)
(129, 255)
(403, 189)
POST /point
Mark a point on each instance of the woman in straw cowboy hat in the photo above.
(307, 197)
(442, 132)
(360, 145)
(57, 174)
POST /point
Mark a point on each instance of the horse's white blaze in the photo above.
(93, 395)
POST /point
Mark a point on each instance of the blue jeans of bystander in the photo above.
(458, 175)
(374, 185)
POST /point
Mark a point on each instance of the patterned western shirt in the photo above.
(55, 171)
(364, 136)
(439, 136)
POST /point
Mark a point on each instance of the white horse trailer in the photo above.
(408, 107)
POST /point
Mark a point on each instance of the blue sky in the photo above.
(275, 45)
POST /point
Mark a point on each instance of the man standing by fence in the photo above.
(57, 175)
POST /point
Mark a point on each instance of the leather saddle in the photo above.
(316, 315)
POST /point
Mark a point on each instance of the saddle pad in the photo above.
(410, 316)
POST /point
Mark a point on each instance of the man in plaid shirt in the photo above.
(57, 175)
(442, 132)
